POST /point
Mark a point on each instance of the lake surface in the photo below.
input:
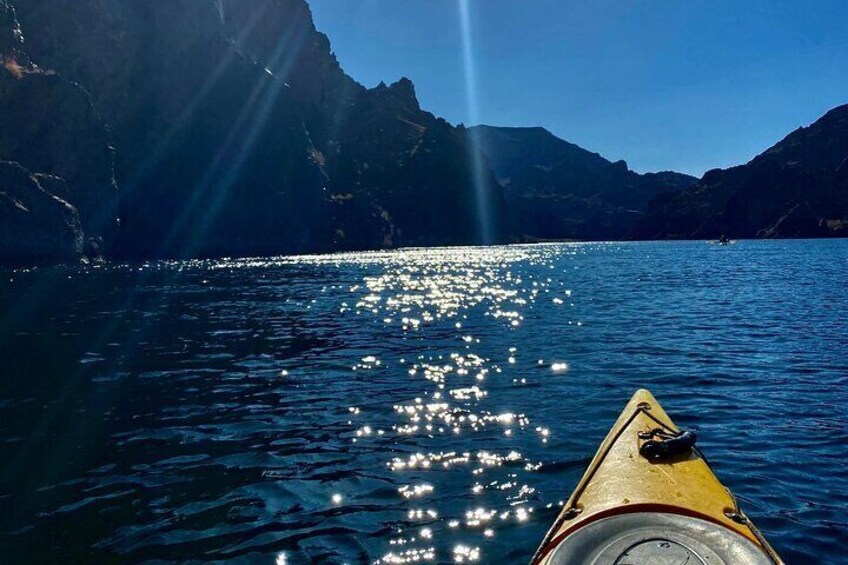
(423, 405)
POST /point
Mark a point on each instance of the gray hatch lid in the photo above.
(648, 538)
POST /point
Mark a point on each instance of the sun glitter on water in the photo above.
(422, 291)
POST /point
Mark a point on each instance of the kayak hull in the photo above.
(681, 492)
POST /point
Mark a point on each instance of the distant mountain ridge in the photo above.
(797, 188)
(558, 190)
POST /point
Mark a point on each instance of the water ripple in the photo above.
(426, 405)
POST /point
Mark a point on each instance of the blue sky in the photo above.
(684, 85)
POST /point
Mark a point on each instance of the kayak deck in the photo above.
(657, 510)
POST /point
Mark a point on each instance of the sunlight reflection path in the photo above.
(458, 291)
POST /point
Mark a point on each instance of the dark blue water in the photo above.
(422, 405)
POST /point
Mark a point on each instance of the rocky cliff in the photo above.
(396, 175)
(797, 188)
(559, 190)
(235, 132)
(208, 128)
(48, 125)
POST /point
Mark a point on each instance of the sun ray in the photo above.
(222, 173)
(478, 166)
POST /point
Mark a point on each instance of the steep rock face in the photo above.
(561, 191)
(213, 156)
(35, 226)
(797, 188)
(412, 170)
(281, 36)
(237, 133)
(397, 175)
(48, 124)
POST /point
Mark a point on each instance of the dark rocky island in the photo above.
(204, 128)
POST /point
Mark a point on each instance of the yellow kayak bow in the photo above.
(649, 497)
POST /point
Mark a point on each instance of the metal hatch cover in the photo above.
(649, 538)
